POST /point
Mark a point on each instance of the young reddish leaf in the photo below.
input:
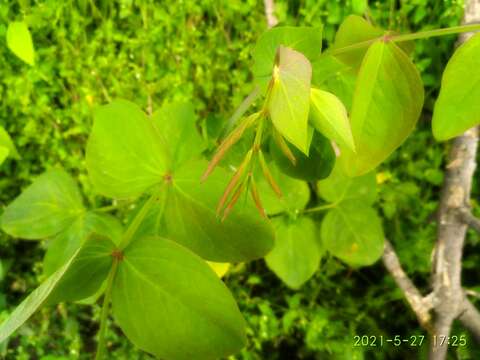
(268, 174)
(228, 143)
(256, 197)
(295, 193)
(233, 201)
(190, 209)
(234, 181)
(283, 146)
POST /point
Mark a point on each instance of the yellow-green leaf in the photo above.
(290, 97)
(338, 187)
(295, 193)
(353, 232)
(49, 205)
(19, 41)
(80, 277)
(125, 152)
(354, 29)
(170, 303)
(329, 116)
(307, 40)
(458, 106)
(7, 148)
(387, 103)
(176, 124)
(297, 251)
(220, 268)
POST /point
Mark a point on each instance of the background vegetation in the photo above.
(200, 50)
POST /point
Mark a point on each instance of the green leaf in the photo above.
(190, 218)
(307, 40)
(458, 106)
(63, 245)
(28, 307)
(327, 66)
(289, 98)
(354, 29)
(170, 303)
(7, 148)
(87, 272)
(332, 75)
(359, 6)
(3, 153)
(353, 232)
(316, 166)
(295, 193)
(19, 41)
(125, 152)
(49, 205)
(220, 268)
(297, 252)
(329, 116)
(78, 278)
(176, 123)
(338, 187)
(386, 106)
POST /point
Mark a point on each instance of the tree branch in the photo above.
(449, 297)
(419, 304)
(270, 13)
(469, 219)
(473, 293)
(447, 264)
(470, 318)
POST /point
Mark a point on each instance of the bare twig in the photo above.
(469, 219)
(470, 318)
(447, 262)
(420, 305)
(270, 13)
(448, 300)
(472, 293)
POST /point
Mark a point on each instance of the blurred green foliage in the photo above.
(88, 52)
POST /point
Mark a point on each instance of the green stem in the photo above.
(257, 142)
(242, 108)
(437, 32)
(408, 37)
(321, 208)
(137, 221)
(105, 307)
(107, 208)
